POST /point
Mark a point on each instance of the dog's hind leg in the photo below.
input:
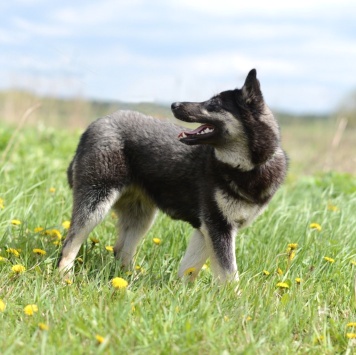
(195, 256)
(136, 213)
(90, 206)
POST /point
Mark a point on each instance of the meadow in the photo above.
(297, 262)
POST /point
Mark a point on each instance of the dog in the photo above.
(218, 177)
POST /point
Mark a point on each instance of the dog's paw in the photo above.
(65, 270)
(125, 259)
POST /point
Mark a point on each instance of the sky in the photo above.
(188, 50)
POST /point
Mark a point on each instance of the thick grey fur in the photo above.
(218, 181)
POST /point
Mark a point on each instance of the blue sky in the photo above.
(165, 51)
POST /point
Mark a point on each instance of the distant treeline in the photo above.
(78, 112)
(71, 113)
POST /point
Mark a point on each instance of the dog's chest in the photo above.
(238, 213)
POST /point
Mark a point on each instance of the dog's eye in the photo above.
(213, 104)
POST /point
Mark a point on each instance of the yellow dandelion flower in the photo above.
(330, 260)
(30, 309)
(15, 222)
(2, 204)
(319, 339)
(68, 281)
(353, 262)
(138, 267)
(57, 242)
(13, 251)
(39, 251)
(2, 305)
(80, 260)
(291, 255)
(43, 326)
(248, 318)
(352, 324)
(119, 283)
(282, 285)
(189, 271)
(94, 240)
(226, 318)
(292, 247)
(109, 248)
(18, 268)
(52, 190)
(157, 241)
(3, 260)
(298, 280)
(265, 272)
(54, 234)
(332, 207)
(315, 226)
(66, 224)
(100, 339)
(279, 271)
(38, 229)
(351, 335)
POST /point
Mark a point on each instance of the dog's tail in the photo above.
(70, 174)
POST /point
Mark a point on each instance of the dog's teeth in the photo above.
(203, 131)
(206, 130)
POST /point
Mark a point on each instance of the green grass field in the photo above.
(157, 313)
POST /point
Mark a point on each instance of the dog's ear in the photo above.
(251, 90)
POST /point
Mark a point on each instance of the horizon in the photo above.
(158, 104)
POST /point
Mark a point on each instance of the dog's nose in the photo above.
(175, 105)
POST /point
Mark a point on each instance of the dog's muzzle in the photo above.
(175, 106)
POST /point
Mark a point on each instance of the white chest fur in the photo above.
(237, 212)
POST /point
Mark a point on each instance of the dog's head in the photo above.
(237, 117)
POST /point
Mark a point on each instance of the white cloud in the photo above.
(311, 97)
(40, 29)
(258, 7)
(9, 37)
(226, 63)
(94, 13)
(28, 2)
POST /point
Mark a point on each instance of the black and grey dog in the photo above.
(218, 177)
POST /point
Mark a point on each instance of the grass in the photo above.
(158, 313)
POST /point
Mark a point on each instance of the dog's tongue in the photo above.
(200, 130)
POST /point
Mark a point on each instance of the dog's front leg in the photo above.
(195, 256)
(220, 242)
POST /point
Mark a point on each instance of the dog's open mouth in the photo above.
(205, 130)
